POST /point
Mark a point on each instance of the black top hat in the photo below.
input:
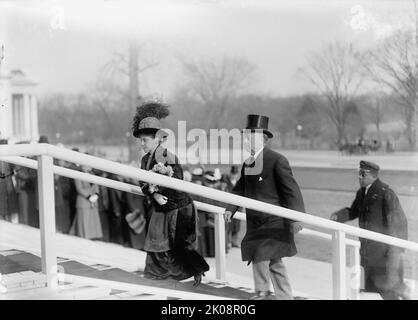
(258, 122)
(234, 169)
(43, 139)
(210, 177)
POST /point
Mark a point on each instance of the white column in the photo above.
(30, 111)
(26, 116)
(339, 266)
(47, 219)
(220, 247)
(3, 118)
(34, 119)
(5, 109)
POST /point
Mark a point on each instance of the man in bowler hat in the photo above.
(378, 209)
(266, 176)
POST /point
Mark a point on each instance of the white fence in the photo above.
(45, 154)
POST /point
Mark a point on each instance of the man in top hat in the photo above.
(266, 176)
(378, 209)
(43, 139)
(197, 175)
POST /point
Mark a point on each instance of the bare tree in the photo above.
(215, 83)
(107, 96)
(394, 65)
(310, 118)
(355, 127)
(335, 71)
(375, 108)
(377, 115)
(122, 65)
(127, 70)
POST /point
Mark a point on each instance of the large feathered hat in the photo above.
(147, 119)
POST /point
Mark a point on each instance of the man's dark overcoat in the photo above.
(380, 211)
(268, 237)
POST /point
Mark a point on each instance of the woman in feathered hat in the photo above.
(172, 228)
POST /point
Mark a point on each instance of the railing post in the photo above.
(47, 219)
(355, 272)
(220, 255)
(339, 266)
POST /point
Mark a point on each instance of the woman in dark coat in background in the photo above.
(69, 197)
(172, 227)
(119, 229)
(135, 202)
(33, 203)
(21, 176)
(22, 185)
(62, 209)
(103, 206)
(206, 219)
(8, 196)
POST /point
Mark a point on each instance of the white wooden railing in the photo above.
(45, 154)
(353, 245)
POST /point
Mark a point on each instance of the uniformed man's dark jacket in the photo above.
(268, 236)
(380, 211)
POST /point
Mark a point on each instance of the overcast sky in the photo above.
(63, 44)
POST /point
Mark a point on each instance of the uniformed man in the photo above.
(378, 209)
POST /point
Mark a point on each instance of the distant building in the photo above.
(18, 107)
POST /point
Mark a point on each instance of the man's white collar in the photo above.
(258, 152)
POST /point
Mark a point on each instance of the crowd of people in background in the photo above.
(224, 182)
(100, 213)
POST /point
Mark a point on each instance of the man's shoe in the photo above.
(406, 294)
(198, 279)
(263, 295)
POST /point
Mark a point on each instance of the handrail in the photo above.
(45, 153)
(74, 174)
(151, 177)
(123, 186)
(242, 216)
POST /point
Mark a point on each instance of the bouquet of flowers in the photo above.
(161, 168)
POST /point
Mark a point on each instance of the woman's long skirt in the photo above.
(169, 245)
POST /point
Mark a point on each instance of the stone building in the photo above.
(18, 107)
